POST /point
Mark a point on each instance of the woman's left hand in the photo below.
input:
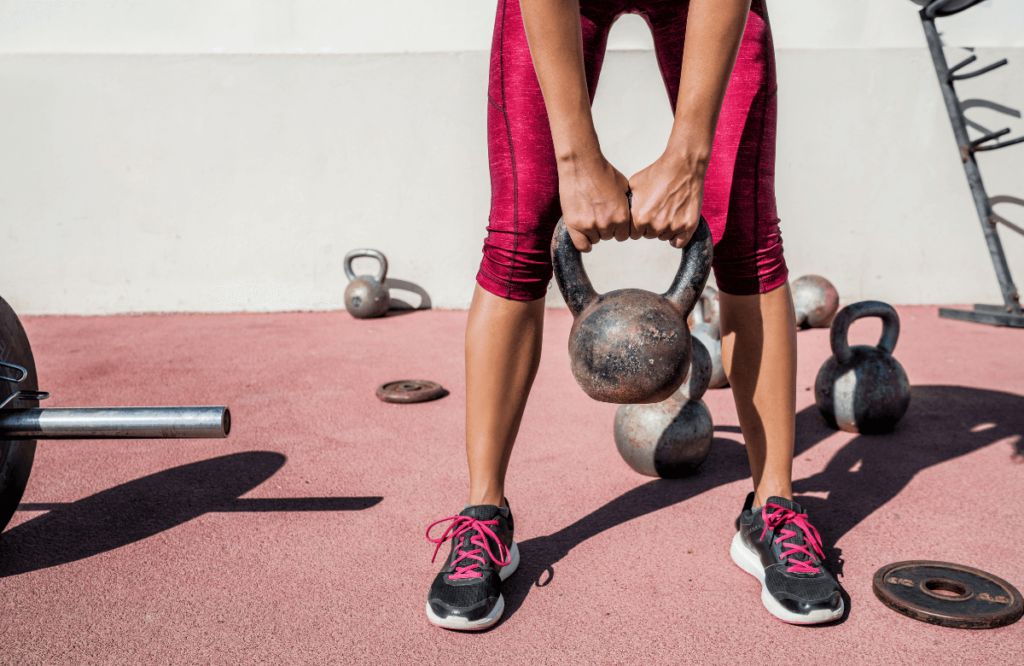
(667, 198)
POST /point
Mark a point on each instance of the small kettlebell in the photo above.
(366, 296)
(630, 345)
(863, 389)
(815, 301)
(673, 437)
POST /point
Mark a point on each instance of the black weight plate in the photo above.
(950, 595)
(15, 456)
(410, 390)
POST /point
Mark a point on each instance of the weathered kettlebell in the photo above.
(698, 379)
(673, 437)
(863, 389)
(706, 312)
(366, 296)
(630, 345)
(815, 301)
(704, 333)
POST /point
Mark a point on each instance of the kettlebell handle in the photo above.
(846, 316)
(366, 252)
(686, 288)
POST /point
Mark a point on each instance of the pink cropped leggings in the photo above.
(739, 191)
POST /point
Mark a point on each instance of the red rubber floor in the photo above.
(299, 539)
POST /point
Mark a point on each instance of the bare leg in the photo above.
(503, 345)
(759, 354)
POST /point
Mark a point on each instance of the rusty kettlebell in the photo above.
(366, 296)
(630, 346)
(815, 301)
(673, 437)
(863, 389)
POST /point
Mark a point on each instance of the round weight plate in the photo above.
(15, 456)
(950, 595)
(410, 390)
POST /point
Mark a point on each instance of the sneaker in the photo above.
(775, 545)
(466, 593)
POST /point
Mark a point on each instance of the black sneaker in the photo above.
(466, 593)
(774, 545)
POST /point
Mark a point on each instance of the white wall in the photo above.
(224, 155)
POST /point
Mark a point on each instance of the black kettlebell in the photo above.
(863, 389)
(367, 296)
(630, 346)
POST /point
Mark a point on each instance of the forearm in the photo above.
(556, 46)
(714, 30)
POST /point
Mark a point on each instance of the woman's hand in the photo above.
(667, 197)
(594, 203)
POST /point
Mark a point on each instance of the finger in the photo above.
(682, 239)
(635, 232)
(607, 233)
(580, 240)
(623, 231)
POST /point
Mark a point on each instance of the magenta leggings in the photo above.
(739, 191)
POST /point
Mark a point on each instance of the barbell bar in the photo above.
(115, 423)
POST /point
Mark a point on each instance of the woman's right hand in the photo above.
(594, 203)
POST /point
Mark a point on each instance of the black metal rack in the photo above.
(1010, 313)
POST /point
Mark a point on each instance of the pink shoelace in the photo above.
(460, 525)
(780, 517)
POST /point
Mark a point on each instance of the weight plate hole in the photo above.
(946, 589)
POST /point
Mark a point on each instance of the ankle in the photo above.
(486, 497)
(761, 496)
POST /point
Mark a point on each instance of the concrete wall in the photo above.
(224, 155)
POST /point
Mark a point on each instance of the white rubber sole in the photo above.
(462, 624)
(748, 560)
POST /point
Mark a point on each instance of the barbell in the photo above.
(23, 422)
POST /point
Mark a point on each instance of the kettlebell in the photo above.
(671, 438)
(705, 312)
(863, 389)
(698, 379)
(630, 346)
(815, 301)
(366, 296)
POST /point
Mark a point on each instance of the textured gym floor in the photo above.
(300, 538)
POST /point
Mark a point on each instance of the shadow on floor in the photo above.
(141, 508)
(399, 306)
(943, 423)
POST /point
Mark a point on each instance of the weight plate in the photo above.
(15, 456)
(410, 390)
(950, 595)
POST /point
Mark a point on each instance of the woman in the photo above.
(546, 163)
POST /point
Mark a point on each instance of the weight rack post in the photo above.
(115, 423)
(1010, 314)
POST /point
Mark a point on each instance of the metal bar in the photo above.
(971, 75)
(1001, 144)
(934, 8)
(993, 318)
(115, 423)
(981, 201)
(963, 63)
(988, 137)
(985, 307)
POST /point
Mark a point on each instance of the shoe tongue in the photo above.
(484, 512)
(798, 538)
(785, 504)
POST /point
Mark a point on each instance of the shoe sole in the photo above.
(489, 620)
(749, 561)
